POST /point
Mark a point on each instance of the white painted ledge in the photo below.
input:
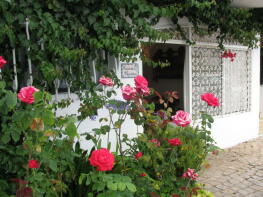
(248, 3)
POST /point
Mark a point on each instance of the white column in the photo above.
(30, 82)
(15, 82)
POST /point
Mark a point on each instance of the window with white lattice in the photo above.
(236, 79)
(227, 80)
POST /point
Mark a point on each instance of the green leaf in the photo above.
(90, 194)
(53, 165)
(48, 117)
(112, 186)
(210, 118)
(131, 187)
(121, 186)
(6, 138)
(101, 195)
(81, 178)
(88, 180)
(11, 100)
(2, 85)
(101, 186)
(38, 96)
(71, 130)
(15, 136)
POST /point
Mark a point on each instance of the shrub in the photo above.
(40, 158)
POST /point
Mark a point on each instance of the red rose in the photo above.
(2, 62)
(106, 81)
(140, 82)
(210, 99)
(175, 142)
(26, 94)
(33, 164)
(229, 55)
(138, 155)
(102, 159)
(143, 174)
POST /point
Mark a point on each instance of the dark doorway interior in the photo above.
(168, 78)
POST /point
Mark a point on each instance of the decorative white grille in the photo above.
(206, 77)
(237, 76)
(228, 80)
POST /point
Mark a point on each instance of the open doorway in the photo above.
(167, 79)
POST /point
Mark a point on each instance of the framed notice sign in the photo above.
(129, 70)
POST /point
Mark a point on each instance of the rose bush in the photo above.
(158, 162)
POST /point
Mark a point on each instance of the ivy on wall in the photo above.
(66, 35)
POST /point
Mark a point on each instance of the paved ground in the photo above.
(237, 171)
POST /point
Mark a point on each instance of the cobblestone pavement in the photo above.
(235, 172)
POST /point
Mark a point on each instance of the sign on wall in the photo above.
(129, 70)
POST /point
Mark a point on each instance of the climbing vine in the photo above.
(65, 36)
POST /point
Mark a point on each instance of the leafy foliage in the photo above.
(65, 36)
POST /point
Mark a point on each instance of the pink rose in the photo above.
(190, 174)
(142, 85)
(175, 142)
(2, 62)
(128, 92)
(156, 142)
(26, 94)
(106, 81)
(102, 159)
(140, 82)
(33, 164)
(181, 118)
(210, 99)
(145, 91)
(138, 155)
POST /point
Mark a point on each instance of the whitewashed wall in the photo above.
(261, 101)
(128, 127)
(235, 128)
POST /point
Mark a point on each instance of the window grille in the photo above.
(206, 77)
(237, 76)
(229, 81)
